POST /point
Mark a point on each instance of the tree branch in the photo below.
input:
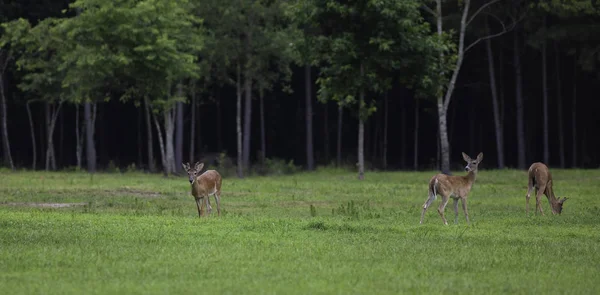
(480, 9)
(426, 8)
(504, 31)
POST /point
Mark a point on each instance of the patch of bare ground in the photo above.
(45, 205)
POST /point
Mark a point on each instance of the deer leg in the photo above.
(529, 189)
(207, 203)
(199, 210)
(442, 207)
(538, 198)
(463, 201)
(218, 201)
(455, 211)
(426, 205)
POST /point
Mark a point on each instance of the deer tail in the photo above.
(432, 193)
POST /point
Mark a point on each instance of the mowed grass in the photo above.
(135, 233)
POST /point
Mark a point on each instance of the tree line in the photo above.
(170, 58)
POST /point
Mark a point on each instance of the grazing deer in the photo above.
(203, 186)
(540, 177)
(457, 187)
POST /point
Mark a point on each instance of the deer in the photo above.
(203, 186)
(540, 177)
(452, 186)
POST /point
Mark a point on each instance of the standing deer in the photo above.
(457, 187)
(203, 186)
(540, 177)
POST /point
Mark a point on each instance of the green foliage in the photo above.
(139, 233)
(376, 37)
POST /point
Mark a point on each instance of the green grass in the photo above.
(140, 234)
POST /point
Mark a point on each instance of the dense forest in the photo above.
(280, 85)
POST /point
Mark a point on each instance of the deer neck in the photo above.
(471, 176)
(550, 194)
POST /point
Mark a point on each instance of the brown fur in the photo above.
(203, 186)
(540, 177)
(455, 187)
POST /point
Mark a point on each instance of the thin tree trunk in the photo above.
(310, 159)
(193, 123)
(444, 101)
(169, 116)
(89, 134)
(416, 139)
(238, 120)
(519, 102)
(79, 142)
(361, 129)
(339, 135)
(559, 106)
(178, 132)
(247, 118)
(263, 142)
(140, 155)
(375, 139)
(32, 131)
(150, 144)
(61, 138)
(51, 121)
(163, 154)
(495, 106)
(574, 116)
(7, 157)
(385, 131)
(403, 137)
(326, 132)
(545, 104)
(472, 118)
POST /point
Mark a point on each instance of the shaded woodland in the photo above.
(258, 86)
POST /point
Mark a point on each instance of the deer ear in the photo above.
(186, 167)
(563, 200)
(199, 166)
(466, 157)
(479, 157)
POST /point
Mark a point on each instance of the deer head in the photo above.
(557, 204)
(472, 164)
(193, 172)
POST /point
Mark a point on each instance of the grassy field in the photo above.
(318, 233)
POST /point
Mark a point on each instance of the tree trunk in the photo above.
(403, 137)
(472, 118)
(52, 115)
(169, 116)
(495, 106)
(574, 116)
(519, 102)
(559, 106)
(416, 139)
(326, 132)
(310, 159)
(79, 142)
(247, 118)
(238, 119)
(151, 166)
(140, 155)
(89, 135)
(361, 128)
(61, 139)
(444, 101)
(263, 142)
(339, 135)
(7, 157)
(545, 105)
(32, 131)
(178, 133)
(193, 123)
(163, 154)
(385, 131)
